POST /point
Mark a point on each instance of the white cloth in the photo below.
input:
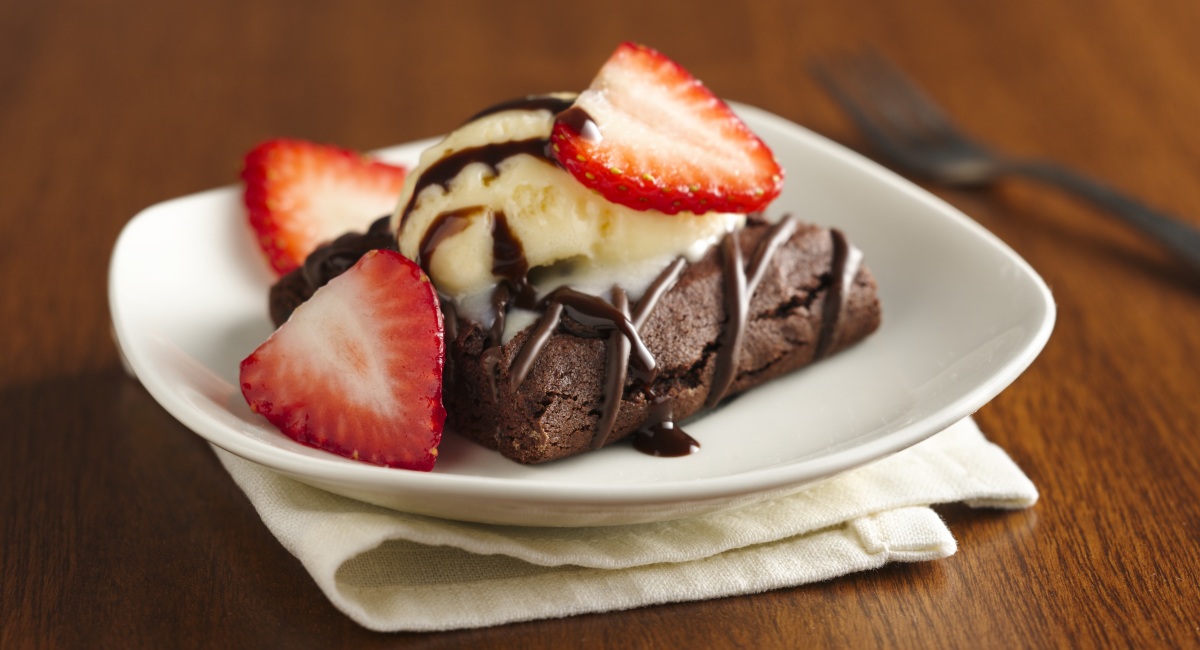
(392, 571)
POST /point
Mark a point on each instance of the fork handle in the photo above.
(1182, 238)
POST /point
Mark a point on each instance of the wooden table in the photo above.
(119, 524)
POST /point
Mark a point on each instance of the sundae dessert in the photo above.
(603, 268)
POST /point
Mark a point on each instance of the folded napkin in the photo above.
(392, 571)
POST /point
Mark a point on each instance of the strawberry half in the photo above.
(648, 135)
(357, 370)
(300, 195)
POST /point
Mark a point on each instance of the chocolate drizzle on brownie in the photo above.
(614, 380)
(623, 339)
(546, 325)
(737, 303)
(846, 261)
(655, 291)
(740, 284)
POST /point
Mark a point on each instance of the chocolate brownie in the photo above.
(323, 264)
(808, 299)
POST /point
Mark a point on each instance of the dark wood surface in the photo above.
(120, 526)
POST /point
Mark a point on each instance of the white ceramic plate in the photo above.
(963, 316)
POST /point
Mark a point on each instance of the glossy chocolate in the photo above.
(660, 435)
(846, 261)
(616, 370)
(443, 171)
(336, 257)
(740, 284)
(578, 120)
(444, 226)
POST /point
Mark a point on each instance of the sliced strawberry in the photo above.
(649, 135)
(357, 370)
(300, 195)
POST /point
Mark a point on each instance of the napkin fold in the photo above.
(393, 571)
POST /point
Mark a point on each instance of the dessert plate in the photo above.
(963, 316)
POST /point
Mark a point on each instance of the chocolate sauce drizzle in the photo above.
(445, 226)
(739, 289)
(443, 171)
(614, 380)
(492, 154)
(509, 262)
(737, 304)
(846, 261)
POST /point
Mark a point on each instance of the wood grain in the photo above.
(120, 527)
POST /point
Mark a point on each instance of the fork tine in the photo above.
(894, 115)
(849, 90)
(879, 98)
(920, 111)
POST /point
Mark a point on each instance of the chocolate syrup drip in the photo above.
(528, 103)
(737, 304)
(659, 435)
(661, 285)
(579, 121)
(548, 322)
(614, 380)
(619, 348)
(740, 284)
(443, 171)
(330, 260)
(500, 296)
(770, 243)
(509, 262)
(843, 269)
(444, 226)
(596, 312)
(545, 328)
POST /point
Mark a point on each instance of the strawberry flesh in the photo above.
(300, 195)
(648, 135)
(357, 369)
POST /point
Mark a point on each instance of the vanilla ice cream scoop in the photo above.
(487, 203)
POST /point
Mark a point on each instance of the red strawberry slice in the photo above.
(357, 370)
(300, 195)
(649, 135)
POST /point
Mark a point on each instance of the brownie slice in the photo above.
(322, 265)
(554, 412)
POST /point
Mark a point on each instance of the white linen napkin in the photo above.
(392, 571)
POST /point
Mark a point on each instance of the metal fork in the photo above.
(907, 127)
